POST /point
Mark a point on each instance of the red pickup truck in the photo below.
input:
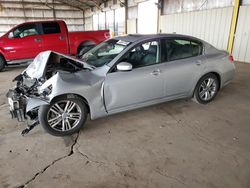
(25, 41)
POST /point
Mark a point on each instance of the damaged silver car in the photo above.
(120, 74)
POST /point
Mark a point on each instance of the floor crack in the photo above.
(3, 105)
(98, 162)
(88, 160)
(168, 176)
(73, 145)
(53, 162)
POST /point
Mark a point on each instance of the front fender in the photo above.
(34, 103)
(2, 53)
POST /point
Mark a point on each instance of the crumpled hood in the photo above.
(37, 68)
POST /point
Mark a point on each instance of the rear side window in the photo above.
(51, 28)
(174, 49)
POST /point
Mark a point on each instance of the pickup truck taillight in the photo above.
(231, 58)
(107, 35)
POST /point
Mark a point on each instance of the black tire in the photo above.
(46, 112)
(2, 63)
(201, 92)
(83, 50)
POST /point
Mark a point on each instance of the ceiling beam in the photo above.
(25, 2)
(72, 5)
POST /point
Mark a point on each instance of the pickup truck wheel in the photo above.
(83, 50)
(64, 116)
(2, 63)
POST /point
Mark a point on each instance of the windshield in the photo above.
(104, 52)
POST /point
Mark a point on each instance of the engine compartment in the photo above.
(60, 63)
(28, 86)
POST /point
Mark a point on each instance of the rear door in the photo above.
(54, 37)
(183, 62)
(23, 42)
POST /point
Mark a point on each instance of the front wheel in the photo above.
(64, 116)
(2, 63)
(206, 89)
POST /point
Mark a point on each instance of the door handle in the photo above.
(156, 72)
(61, 37)
(37, 40)
(198, 62)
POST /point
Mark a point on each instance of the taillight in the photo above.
(107, 35)
(231, 58)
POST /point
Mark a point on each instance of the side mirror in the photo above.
(11, 35)
(124, 66)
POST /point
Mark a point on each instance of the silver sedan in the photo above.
(120, 74)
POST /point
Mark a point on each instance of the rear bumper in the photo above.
(227, 76)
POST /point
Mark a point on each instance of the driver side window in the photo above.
(25, 30)
(143, 55)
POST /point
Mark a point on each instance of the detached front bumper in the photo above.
(22, 107)
(17, 105)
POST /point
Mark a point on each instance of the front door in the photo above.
(144, 83)
(24, 42)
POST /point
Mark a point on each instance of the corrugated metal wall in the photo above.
(171, 7)
(241, 48)
(211, 25)
(16, 12)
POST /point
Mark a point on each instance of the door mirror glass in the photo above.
(11, 35)
(124, 66)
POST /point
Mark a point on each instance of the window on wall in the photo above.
(120, 21)
(110, 16)
(101, 21)
(95, 22)
(147, 17)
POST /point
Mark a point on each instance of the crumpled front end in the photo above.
(25, 98)
(17, 105)
(35, 85)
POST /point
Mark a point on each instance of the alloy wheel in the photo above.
(64, 115)
(207, 89)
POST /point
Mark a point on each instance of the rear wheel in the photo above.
(2, 63)
(64, 116)
(83, 50)
(206, 89)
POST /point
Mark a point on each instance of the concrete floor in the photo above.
(175, 144)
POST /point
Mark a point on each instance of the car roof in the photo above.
(139, 37)
(40, 21)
